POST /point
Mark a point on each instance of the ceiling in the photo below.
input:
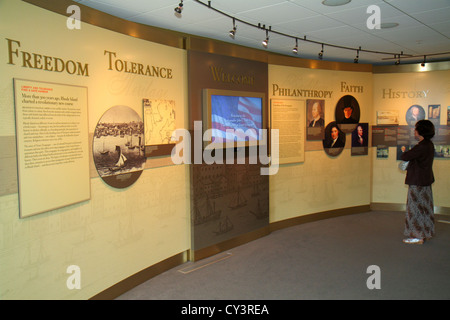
(423, 26)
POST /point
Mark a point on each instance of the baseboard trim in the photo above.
(380, 206)
(318, 216)
(195, 255)
(140, 277)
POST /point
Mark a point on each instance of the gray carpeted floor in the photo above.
(327, 259)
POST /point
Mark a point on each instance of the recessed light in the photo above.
(388, 25)
(335, 3)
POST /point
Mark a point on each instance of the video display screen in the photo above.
(237, 114)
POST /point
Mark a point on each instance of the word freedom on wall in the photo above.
(44, 62)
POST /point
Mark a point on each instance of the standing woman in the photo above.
(419, 222)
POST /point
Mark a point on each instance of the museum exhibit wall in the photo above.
(321, 182)
(228, 198)
(123, 230)
(399, 91)
(118, 231)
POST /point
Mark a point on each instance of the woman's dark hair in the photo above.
(425, 128)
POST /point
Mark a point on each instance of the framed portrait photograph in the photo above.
(360, 137)
(315, 119)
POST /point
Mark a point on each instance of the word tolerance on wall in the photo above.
(39, 61)
(136, 68)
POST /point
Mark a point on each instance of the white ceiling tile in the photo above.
(417, 6)
(433, 16)
(278, 13)
(360, 16)
(238, 6)
(337, 32)
(317, 6)
(442, 27)
(303, 26)
(120, 12)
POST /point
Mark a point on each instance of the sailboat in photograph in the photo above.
(238, 201)
(104, 151)
(225, 225)
(259, 213)
(121, 162)
(131, 146)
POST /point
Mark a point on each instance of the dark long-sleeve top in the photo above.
(420, 171)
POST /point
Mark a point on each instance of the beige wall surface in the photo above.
(321, 182)
(118, 232)
(399, 91)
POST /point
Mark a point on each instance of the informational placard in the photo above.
(390, 117)
(442, 135)
(52, 145)
(384, 136)
(441, 142)
(288, 116)
(405, 135)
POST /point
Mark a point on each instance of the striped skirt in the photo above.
(419, 222)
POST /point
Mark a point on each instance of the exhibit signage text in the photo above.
(220, 76)
(391, 94)
(43, 62)
(290, 92)
(120, 65)
(351, 88)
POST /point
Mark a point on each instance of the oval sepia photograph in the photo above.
(118, 146)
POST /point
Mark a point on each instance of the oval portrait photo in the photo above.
(414, 114)
(334, 141)
(118, 146)
(347, 113)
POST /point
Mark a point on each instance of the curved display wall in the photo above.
(144, 212)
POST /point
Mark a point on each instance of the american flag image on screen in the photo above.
(238, 114)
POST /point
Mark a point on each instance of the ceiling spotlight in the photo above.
(388, 25)
(397, 62)
(179, 8)
(356, 60)
(424, 60)
(265, 42)
(334, 3)
(233, 32)
(295, 49)
(321, 53)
